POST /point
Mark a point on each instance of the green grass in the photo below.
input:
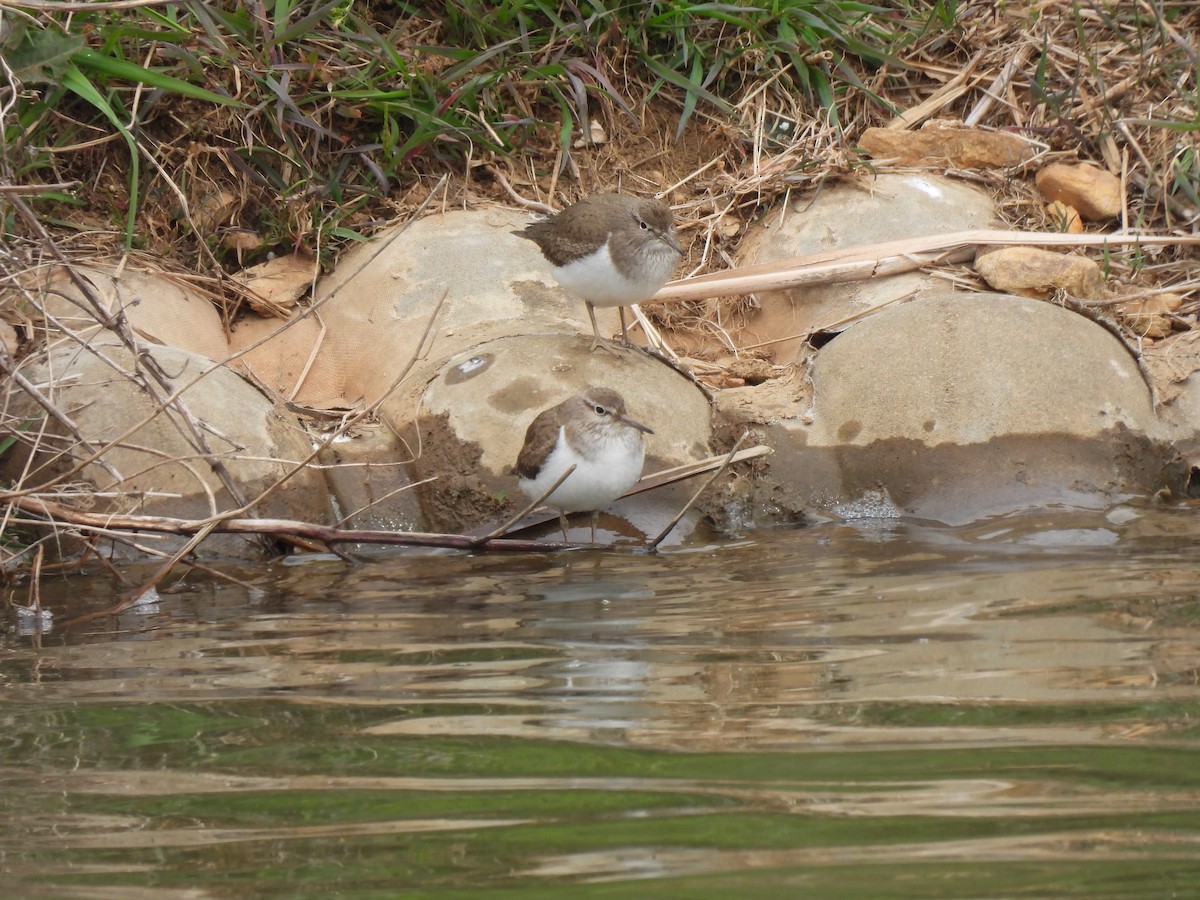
(317, 109)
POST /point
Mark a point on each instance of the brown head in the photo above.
(635, 224)
(603, 406)
(596, 412)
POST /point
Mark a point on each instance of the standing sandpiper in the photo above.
(610, 249)
(591, 432)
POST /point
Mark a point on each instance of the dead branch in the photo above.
(58, 513)
(887, 258)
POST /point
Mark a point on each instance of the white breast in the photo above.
(596, 279)
(599, 478)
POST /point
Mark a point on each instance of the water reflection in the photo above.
(807, 698)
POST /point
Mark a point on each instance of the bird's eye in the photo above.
(600, 410)
(645, 226)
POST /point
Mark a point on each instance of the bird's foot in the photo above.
(613, 347)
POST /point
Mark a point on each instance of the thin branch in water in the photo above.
(653, 545)
(496, 532)
(170, 564)
(281, 529)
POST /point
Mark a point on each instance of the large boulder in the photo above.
(161, 473)
(157, 307)
(475, 410)
(463, 271)
(851, 214)
(955, 406)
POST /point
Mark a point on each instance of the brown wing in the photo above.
(557, 235)
(540, 438)
(557, 249)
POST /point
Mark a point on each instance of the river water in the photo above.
(877, 708)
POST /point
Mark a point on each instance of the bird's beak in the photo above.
(670, 241)
(632, 424)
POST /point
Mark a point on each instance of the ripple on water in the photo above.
(1012, 703)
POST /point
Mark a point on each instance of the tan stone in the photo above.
(909, 204)
(278, 354)
(159, 309)
(1064, 218)
(1148, 317)
(940, 144)
(161, 472)
(1083, 186)
(464, 269)
(1037, 273)
(957, 406)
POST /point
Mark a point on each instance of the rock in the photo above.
(368, 474)
(161, 472)
(848, 215)
(158, 309)
(1083, 186)
(1064, 218)
(474, 413)
(1037, 273)
(958, 406)
(1148, 317)
(377, 305)
(284, 357)
(940, 144)
(274, 287)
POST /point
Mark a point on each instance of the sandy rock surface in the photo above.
(159, 309)
(955, 406)
(849, 215)
(161, 472)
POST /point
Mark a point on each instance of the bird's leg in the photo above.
(598, 341)
(595, 518)
(624, 333)
(562, 523)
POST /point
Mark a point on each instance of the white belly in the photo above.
(599, 479)
(596, 280)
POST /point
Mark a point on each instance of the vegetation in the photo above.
(316, 110)
(316, 117)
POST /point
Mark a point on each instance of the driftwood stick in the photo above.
(653, 545)
(271, 527)
(500, 529)
(889, 257)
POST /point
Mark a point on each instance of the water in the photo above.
(873, 709)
